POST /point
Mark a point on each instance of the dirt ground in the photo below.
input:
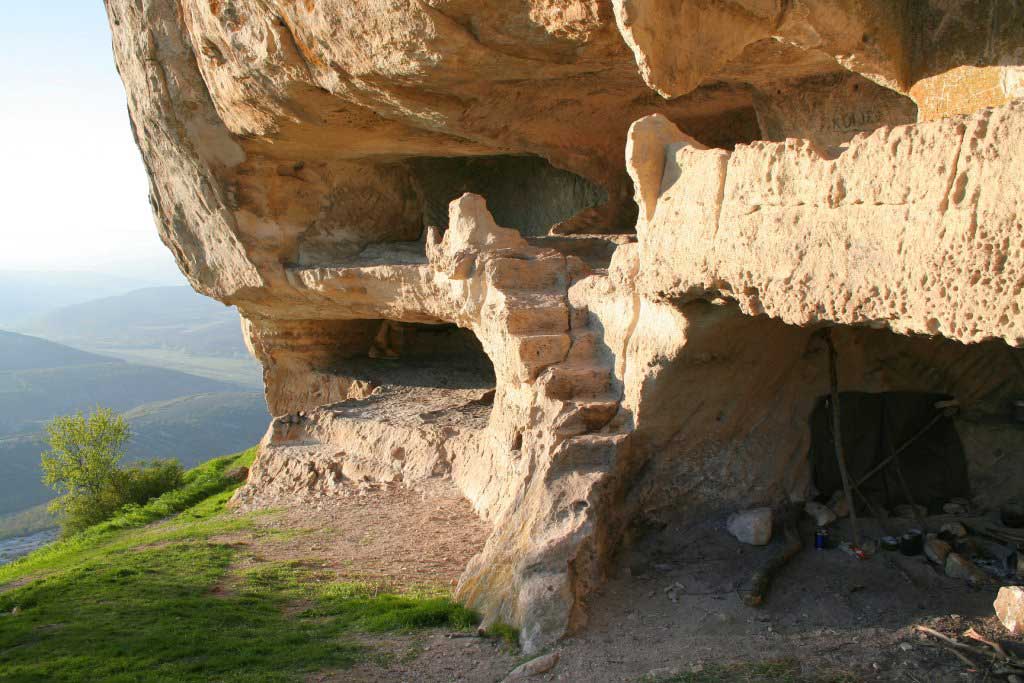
(673, 604)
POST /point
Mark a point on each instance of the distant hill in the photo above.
(175, 318)
(28, 294)
(168, 327)
(191, 429)
(21, 352)
(32, 394)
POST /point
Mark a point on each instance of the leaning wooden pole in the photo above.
(837, 435)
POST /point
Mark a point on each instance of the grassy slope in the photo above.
(130, 600)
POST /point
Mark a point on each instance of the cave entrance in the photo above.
(523, 192)
(390, 402)
(418, 376)
(900, 447)
(438, 355)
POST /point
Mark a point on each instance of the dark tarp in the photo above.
(873, 426)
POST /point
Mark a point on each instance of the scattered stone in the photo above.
(937, 550)
(753, 526)
(821, 514)
(1009, 606)
(839, 505)
(662, 673)
(534, 667)
(959, 567)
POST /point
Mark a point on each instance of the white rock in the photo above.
(1009, 606)
(534, 667)
(821, 514)
(752, 526)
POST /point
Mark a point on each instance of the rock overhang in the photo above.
(300, 155)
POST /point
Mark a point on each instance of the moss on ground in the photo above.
(135, 600)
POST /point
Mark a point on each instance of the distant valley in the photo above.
(171, 361)
(168, 327)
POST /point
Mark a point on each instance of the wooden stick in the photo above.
(762, 579)
(974, 635)
(837, 435)
(952, 643)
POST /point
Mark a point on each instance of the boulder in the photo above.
(753, 527)
(1009, 606)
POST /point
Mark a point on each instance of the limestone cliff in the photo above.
(577, 255)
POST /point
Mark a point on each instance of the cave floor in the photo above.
(671, 613)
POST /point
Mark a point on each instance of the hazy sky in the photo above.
(73, 187)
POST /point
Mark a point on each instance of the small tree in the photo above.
(82, 466)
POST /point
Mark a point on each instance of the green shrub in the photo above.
(141, 482)
(83, 467)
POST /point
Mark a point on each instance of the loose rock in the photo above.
(959, 567)
(839, 505)
(534, 667)
(821, 514)
(937, 550)
(753, 527)
(1009, 606)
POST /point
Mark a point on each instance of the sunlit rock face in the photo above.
(576, 256)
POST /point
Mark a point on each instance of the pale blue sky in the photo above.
(73, 187)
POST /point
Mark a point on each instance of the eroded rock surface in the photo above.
(577, 257)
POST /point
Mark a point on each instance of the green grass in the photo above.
(770, 671)
(146, 598)
(504, 632)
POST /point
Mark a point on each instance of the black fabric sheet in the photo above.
(875, 425)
